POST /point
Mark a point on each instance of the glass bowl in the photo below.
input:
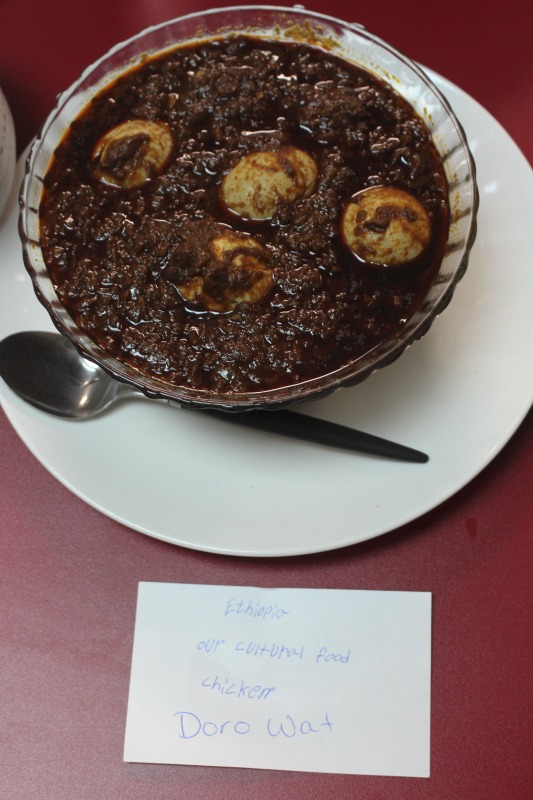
(287, 24)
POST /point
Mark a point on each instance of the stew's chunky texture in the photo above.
(204, 218)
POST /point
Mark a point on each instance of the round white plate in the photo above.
(458, 394)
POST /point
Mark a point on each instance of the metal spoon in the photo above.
(46, 370)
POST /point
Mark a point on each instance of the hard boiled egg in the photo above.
(237, 273)
(133, 152)
(260, 180)
(386, 226)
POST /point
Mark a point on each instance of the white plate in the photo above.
(458, 394)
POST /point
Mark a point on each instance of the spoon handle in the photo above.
(318, 431)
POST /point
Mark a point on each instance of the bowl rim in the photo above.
(311, 389)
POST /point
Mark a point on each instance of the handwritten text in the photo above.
(254, 610)
(191, 726)
(238, 689)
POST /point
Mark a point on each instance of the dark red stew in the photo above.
(134, 264)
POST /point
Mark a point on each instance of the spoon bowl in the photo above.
(46, 370)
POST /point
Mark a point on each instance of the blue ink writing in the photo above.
(190, 726)
(254, 610)
(270, 650)
(238, 689)
(324, 655)
(210, 645)
(289, 728)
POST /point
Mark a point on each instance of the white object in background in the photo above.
(7, 151)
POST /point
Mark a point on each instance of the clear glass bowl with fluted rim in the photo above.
(288, 24)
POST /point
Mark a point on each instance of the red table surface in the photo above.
(69, 575)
